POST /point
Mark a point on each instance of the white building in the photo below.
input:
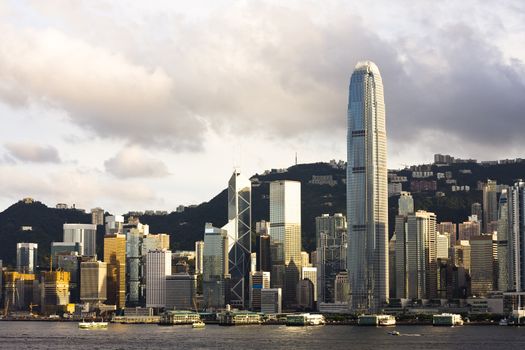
(158, 266)
(86, 234)
(26, 257)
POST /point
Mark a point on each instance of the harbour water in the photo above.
(66, 335)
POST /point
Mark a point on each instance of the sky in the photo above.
(137, 105)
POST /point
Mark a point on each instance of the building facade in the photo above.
(367, 192)
(158, 266)
(26, 257)
(115, 257)
(85, 234)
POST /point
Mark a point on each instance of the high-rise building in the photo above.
(476, 209)
(26, 257)
(332, 246)
(93, 281)
(20, 290)
(55, 291)
(341, 288)
(416, 263)
(461, 255)
(262, 231)
(158, 266)
(115, 258)
(114, 224)
(253, 262)
(367, 193)
(71, 263)
(504, 260)
(271, 300)
(135, 276)
(305, 294)
(442, 245)
(490, 204)
(239, 236)
(405, 204)
(258, 280)
(469, 229)
(215, 269)
(482, 264)
(285, 230)
(199, 251)
(512, 215)
(450, 228)
(180, 291)
(64, 248)
(310, 273)
(85, 234)
(97, 216)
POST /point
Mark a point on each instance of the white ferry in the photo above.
(376, 320)
(92, 325)
(449, 320)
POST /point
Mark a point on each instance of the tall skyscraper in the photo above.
(450, 228)
(332, 245)
(285, 231)
(215, 268)
(135, 289)
(367, 192)
(482, 264)
(158, 266)
(115, 258)
(239, 236)
(262, 231)
(476, 209)
(490, 204)
(180, 291)
(97, 216)
(514, 260)
(85, 234)
(26, 257)
(469, 229)
(54, 291)
(199, 251)
(504, 260)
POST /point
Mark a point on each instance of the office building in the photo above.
(181, 289)
(490, 204)
(70, 263)
(114, 224)
(262, 231)
(504, 260)
(405, 203)
(305, 294)
(310, 273)
(341, 288)
(450, 228)
(469, 229)
(199, 251)
(258, 280)
(476, 209)
(64, 248)
(115, 258)
(285, 230)
(367, 193)
(93, 282)
(26, 257)
(85, 235)
(135, 275)
(461, 255)
(158, 266)
(331, 250)
(97, 216)
(271, 301)
(400, 242)
(482, 264)
(55, 292)
(215, 276)
(20, 290)
(239, 237)
(442, 245)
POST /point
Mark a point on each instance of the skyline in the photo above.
(75, 132)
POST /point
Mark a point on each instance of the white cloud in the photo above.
(30, 152)
(132, 162)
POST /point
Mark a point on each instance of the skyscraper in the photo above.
(26, 257)
(215, 267)
(239, 236)
(285, 231)
(503, 243)
(93, 279)
(158, 266)
(97, 216)
(490, 204)
(367, 192)
(331, 253)
(85, 234)
(199, 250)
(115, 258)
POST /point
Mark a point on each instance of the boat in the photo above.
(198, 324)
(503, 322)
(93, 325)
(305, 320)
(394, 333)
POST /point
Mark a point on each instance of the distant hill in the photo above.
(326, 194)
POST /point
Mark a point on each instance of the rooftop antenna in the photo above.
(295, 158)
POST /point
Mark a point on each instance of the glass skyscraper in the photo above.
(367, 193)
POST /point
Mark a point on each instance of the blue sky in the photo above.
(133, 105)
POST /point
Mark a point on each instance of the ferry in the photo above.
(449, 320)
(92, 325)
(394, 333)
(305, 320)
(198, 324)
(376, 320)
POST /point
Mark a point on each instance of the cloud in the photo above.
(132, 162)
(29, 152)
